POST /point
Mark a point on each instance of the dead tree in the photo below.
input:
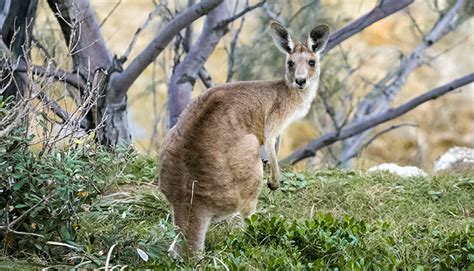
(94, 66)
(387, 89)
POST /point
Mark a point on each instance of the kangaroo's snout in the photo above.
(300, 82)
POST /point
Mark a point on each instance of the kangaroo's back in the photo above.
(210, 161)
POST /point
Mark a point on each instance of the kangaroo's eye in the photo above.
(291, 63)
(312, 63)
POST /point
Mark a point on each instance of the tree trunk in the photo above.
(93, 61)
(16, 24)
(106, 79)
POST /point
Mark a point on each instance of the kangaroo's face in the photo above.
(302, 59)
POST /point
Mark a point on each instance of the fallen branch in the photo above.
(312, 147)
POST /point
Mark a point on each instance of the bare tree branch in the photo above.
(188, 33)
(383, 9)
(110, 12)
(382, 95)
(124, 80)
(72, 79)
(204, 75)
(54, 106)
(82, 35)
(206, 78)
(247, 9)
(370, 122)
(302, 8)
(150, 17)
(377, 135)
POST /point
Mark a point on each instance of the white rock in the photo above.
(407, 171)
(455, 156)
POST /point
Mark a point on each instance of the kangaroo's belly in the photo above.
(225, 174)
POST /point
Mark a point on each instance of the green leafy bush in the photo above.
(42, 195)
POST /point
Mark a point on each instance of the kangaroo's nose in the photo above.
(300, 82)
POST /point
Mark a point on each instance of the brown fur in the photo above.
(210, 161)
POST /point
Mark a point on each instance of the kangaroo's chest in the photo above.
(299, 111)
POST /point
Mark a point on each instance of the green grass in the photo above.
(317, 220)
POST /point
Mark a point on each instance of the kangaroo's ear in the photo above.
(318, 38)
(282, 38)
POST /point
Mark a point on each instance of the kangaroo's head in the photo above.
(302, 58)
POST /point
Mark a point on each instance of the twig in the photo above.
(150, 17)
(109, 255)
(356, 128)
(231, 51)
(225, 22)
(41, 47)
(301, 9)
(110, 13)
(415, 24)
(329, 110)
(72, 79)
(8, 227)
(377, 135)
(54, 106)
(27, 233)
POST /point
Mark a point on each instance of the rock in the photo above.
(407, 171)
(455, 159)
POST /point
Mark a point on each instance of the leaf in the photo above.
(142, 254)
(19, 184)
(62, 244)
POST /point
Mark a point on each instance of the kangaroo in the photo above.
(210, 161)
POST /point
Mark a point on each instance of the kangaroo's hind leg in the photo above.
(192, 221)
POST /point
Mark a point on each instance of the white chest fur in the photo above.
(303, 108)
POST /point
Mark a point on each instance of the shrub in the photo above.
(42, 195)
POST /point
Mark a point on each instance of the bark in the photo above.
(16, 24)
(383, 94)
(93, 61)
(311, 148)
